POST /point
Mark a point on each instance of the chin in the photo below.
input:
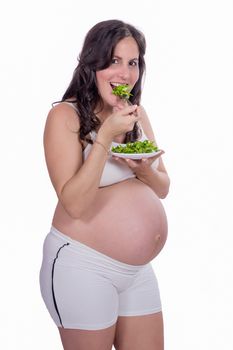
(109, 103)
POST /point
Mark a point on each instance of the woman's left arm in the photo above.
(155, 177)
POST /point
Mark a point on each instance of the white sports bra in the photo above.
(113, 171)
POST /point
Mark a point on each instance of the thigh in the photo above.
(142, 297)
(140, 332)
(79, 299)
(76, 339)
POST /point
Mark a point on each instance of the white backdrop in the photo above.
(188, 96)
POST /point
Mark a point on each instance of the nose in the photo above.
(124, 72)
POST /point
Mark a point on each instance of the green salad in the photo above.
(123, 91)
(145, 146)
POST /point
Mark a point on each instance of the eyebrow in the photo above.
(131, 59)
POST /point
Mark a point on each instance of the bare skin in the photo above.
(76, 339)
(138, 227)
(125, 220)
(135, 332)
(133, 234)
(140, 332)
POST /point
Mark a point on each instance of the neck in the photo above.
(103, 113)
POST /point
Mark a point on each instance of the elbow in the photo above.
(72, 206)
(74, 210)
(163, 193)
(73, 213)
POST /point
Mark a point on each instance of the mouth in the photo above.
(113, 84)
(121, 90)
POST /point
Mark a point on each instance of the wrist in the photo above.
(145, 173)
(107, 149)
(105, 139)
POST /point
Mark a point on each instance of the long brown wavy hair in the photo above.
(96, 54)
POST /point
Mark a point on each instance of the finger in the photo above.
(160, 152)
(157, 155)
(118, 107)
(135, 117)
(131, 163)
(122, 103)
(119, 160)
(115, 109)
(128, 109)
(125, 161)
(131, 120)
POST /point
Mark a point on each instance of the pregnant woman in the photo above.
(96, 277)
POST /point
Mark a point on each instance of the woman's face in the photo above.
(124, 69)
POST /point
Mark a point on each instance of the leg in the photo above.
(77, 339)
(140, 332)
(84, 304)
(140, 321)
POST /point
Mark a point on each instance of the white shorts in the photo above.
(85, 289)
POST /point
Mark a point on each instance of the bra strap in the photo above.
(71, 104)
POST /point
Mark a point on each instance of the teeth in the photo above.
(117, 84)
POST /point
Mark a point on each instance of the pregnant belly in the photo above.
(127, 222)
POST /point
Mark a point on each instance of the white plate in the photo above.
(135, 155)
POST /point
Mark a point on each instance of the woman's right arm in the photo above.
(76, 182)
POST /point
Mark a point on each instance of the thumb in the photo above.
(129, 109)
(115, 109)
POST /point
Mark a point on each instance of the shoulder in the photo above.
(145, 123)
(143, 115)
(62, 145)
(64, 116)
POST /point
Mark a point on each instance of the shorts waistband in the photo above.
(76, 245)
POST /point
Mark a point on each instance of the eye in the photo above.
(133, 63)
(115, 60)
